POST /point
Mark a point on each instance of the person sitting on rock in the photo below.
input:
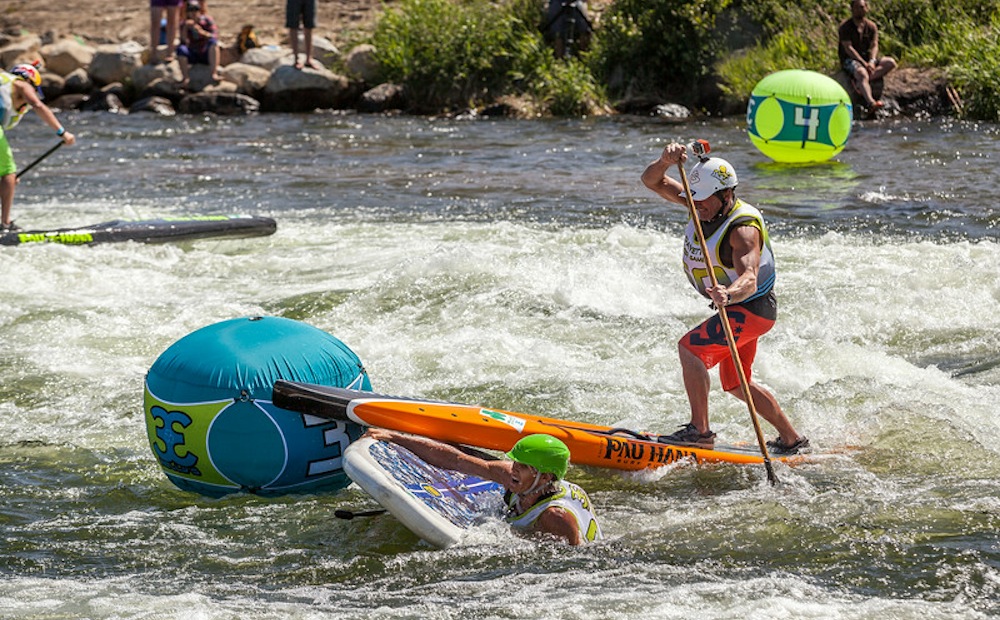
(199, 42)
(858, 51)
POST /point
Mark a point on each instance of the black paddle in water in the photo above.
(347, 515)
(38, 161)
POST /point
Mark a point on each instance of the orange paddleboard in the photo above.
(495, 429)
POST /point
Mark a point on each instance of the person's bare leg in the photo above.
(861, 81)
(173, 23)
(213, 62)
(293, 39)
(884, 66)
(154, 33)
(309, 46)
(697, 384)
(767, 406)
(185, 70)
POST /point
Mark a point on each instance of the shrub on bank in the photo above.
(454, 54)
(793, 36)
(960, 36)
(663, 48)
(970, 52)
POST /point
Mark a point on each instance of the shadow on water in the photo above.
(801, 191)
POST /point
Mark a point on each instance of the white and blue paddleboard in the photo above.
(438, 505)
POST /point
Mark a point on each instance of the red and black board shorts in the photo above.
(708, 342)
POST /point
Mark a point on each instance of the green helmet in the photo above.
(543, 452)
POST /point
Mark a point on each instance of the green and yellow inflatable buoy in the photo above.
(211, 421)
(799, 116)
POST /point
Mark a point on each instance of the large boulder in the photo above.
(362, 65)
(52, 85)
(24, 49)
(383, 98)
(303, 90)
(168, 89)
(66, 56)
(323, 50)
(160, 106)
(78, 82)
(144, 75)
(200, 78)
(921, 91)
(73, 101)
(104, 101)
(218, 102)
(115, 63)
(672, 113)
(249, 79)
(269, 57)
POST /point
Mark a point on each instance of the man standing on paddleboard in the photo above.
(537, 498)
(740, 250)
(20, 92)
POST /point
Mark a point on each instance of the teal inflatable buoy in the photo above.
(799, 116)
(210, 420)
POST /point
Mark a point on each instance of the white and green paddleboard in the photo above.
(438, 505)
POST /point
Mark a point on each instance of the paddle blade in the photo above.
(347, 515)
(320, 401)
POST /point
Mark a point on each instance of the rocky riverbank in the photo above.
(116, 77)
(100, 73)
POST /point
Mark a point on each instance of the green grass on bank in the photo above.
(455, 54)
(458, 54)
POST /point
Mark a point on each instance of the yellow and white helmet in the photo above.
(709, 176)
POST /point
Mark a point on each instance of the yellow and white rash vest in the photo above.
(742, 214)
(569, 497)
(8, 115)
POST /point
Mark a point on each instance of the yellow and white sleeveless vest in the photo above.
(8, 115)
(571, 498)
(694, 262)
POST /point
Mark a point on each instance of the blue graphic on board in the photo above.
(462, 499)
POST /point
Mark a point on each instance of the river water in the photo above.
(517, 265)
